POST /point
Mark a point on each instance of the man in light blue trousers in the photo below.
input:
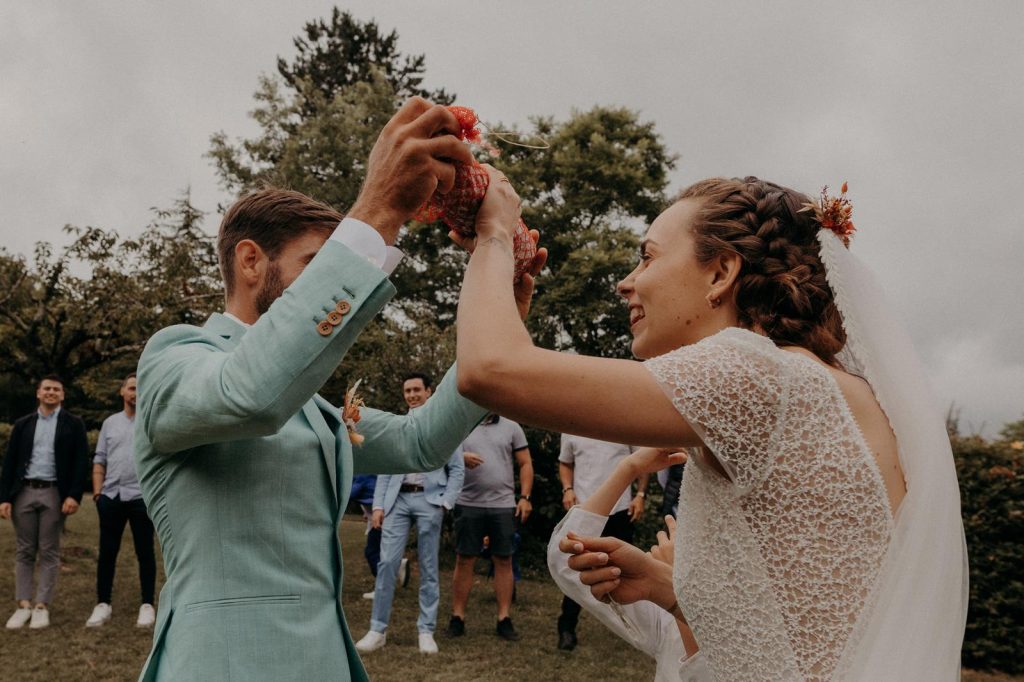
(398, 502)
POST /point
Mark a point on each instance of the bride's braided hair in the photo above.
(781, 288)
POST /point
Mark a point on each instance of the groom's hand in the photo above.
(413, 157)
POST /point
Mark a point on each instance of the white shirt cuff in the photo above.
(367, 242)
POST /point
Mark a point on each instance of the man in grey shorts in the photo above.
(41, 483)
(488, 508)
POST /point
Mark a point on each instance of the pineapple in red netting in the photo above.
(458, 208)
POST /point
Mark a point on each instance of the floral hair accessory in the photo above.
(833, 213)
(350, 413)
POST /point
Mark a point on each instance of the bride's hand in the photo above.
(664, 551)
(612, 568)
(499, 212)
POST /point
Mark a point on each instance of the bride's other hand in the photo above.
(523, 289)
(664, 551)
(652, 460)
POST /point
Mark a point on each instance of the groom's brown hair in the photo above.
(271, 217)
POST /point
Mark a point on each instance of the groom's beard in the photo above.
(271, 290)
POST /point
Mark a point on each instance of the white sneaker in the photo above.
(147, 616)
(368, 596)
(100, 615)
(427, 643)
(372, 641)
(403, 572)
(19, 618)
(40, 618)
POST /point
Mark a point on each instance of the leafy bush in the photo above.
(992, 500)
(5, 435)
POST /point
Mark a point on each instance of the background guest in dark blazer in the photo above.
(41, 483)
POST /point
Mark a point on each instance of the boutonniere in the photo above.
(350, 413)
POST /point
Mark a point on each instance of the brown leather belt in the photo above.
(36, 483)
(410, 488)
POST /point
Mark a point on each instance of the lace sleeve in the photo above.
(730, 388)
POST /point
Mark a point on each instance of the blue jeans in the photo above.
(409, 507)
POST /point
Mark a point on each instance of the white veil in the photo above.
(913, 625)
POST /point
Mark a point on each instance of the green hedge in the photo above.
(992, 501)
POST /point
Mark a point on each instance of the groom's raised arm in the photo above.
(194, 392)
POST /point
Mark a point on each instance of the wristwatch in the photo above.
(525, 497)
(566, 489)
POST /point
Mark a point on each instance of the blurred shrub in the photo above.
(992, 500)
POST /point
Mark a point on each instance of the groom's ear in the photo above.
(250, 264)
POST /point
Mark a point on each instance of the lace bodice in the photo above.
(774, 565)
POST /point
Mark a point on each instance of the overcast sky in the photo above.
(107, 107)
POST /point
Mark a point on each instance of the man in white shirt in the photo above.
(643, 624)
(583, 465)
(399, 501)
(119, 502)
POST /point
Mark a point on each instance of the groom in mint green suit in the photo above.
(245, 469)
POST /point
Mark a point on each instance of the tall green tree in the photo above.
(322, 154)
(320, 117)
(342, 51)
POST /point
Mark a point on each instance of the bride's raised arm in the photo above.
(500, 368)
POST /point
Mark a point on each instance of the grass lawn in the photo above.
(67, 650)
(70, 651)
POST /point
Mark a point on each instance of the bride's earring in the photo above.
(714, 302)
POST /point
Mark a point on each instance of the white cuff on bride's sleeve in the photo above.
(367, 242)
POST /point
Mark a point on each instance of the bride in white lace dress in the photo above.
(819, 534)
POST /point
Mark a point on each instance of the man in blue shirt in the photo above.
(115, 486)
(41, 483)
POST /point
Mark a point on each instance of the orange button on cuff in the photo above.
(343, 307)
(335, 318)
(325, 328)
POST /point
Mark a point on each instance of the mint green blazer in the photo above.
(246, 471)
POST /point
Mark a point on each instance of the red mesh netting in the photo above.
(459, 207)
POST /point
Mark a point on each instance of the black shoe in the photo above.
(456, 627)
(506, 631)
(566, 641)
